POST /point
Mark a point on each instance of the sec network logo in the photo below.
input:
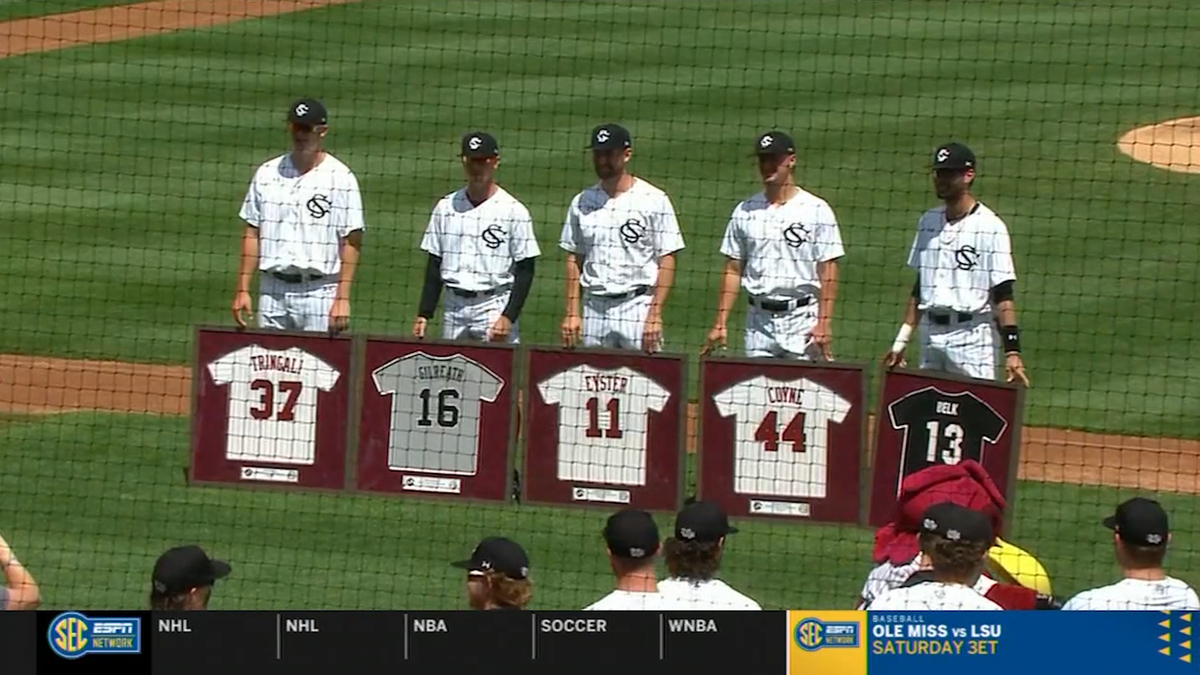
(814, 634)
(73, 635)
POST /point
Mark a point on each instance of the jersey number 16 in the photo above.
(447, 412)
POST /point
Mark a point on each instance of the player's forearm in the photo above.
(432, 289)
(249, 259)
(1006, 313)
(22, 589)
(522, 283)
(662, 287)
(730, 280)
(828, 273)
(351, 250)
(572, 284)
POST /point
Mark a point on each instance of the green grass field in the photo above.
(126, 163)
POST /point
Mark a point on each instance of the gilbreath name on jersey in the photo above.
(442, 372)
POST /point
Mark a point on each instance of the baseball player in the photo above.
(304, 225)
(955, 541)
(965, 277)
(633, 544)
(183, 579)
(1141, 533)
(693, 558)
(621, 236)
(782, 245)
(497, 575)
(482, 248)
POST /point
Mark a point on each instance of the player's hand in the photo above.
(572, 330)
(652, 333)
(822, 337)
(1014, 368)
(716, 339)
(419, 327)
(894, 360)
(242, 307)
(499, 330)
(339, 315)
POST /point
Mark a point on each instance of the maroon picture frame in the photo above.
(1000, 459)
(496, 427)
(665, 431)
(208, 463)
(846, 454)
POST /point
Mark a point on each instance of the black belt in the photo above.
(947, 318)
(296, 278)
(780, 305)
(479, 294)
(639, 291)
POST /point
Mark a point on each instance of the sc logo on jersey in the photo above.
(813, 634)
(632, 231)
(72, 635)
(966, 258)
(319, 206)
(796, 234)
(493, 236)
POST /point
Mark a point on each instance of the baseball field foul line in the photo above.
(110, 24)
(38, 385)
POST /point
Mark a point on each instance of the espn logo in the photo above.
(73, 635)
(814, 634)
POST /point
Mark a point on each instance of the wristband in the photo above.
(902, 338)
(1012, 339)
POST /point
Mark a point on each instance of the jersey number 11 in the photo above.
(614, 418)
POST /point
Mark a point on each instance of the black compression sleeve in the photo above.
(916, 291)
(1003, 291)
(433, 287)
(522, 282)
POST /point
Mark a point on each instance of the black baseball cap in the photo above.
(953, 156)
(610, 137)
(186, 567)
(631, 533)
(308, 111)
(1141, 522)
(702, 521)
(480, 144)
(958, 523)
(774, 143)
(497, 553)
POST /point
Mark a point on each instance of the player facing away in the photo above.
(482, 248)
(304, 225)
(962, 255)
(621, 236)
(1141, 533)
(632, 541)
(782, 245)
(183, 579)
(955, 542)
(693, 558)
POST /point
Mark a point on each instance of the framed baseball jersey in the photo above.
(605, 428)
(270, 408)
(929, 418)
(783, 438)
(436, 419)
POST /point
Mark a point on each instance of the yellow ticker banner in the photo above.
(827, 642)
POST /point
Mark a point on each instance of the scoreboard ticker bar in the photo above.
(226, 642)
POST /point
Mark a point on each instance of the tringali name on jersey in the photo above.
(441, 371)
(280, 362)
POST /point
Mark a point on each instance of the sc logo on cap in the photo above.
(943, 154)
(475, 143)
(302, 109)
(602, 136)
(72, 635)
(766, 141)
